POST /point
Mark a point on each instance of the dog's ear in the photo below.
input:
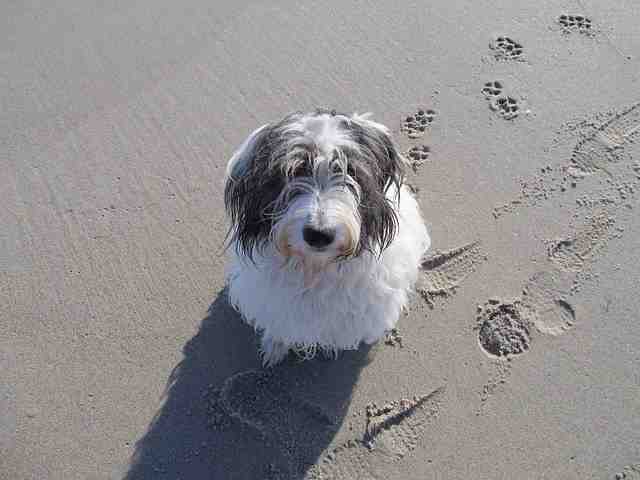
(245, 192)
(378, 142)
(385, 169)
(241, 159)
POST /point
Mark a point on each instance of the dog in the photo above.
(325, 238)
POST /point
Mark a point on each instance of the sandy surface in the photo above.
(119, 356)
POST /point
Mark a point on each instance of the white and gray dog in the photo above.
(326, 239)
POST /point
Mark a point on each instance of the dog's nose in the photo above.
(318, 238)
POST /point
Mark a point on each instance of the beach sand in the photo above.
(519, 356)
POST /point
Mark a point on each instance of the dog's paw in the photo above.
(273, 352)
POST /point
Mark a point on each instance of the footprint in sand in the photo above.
(502, 329)
(261, 400)
(443, 272)
(574, 252)
(505, 328)
(604, 148)
(604, 152)
(392, 431)
(395, 427)
(545, 302)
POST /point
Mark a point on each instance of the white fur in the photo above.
(351, 301)
(324, 132)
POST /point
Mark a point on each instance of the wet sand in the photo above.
(519, 356)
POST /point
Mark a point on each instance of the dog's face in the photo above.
(315, 187)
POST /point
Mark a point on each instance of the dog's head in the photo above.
(317, 187)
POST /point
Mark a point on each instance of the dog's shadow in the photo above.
(224, 416)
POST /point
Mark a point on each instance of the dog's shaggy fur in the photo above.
(326, 240)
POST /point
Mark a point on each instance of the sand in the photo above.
(519, 356)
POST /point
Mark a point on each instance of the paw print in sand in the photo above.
(578, 23)
(415, 125)
(492, 89)
(507, 49)
(417, 156)
(507, 107)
